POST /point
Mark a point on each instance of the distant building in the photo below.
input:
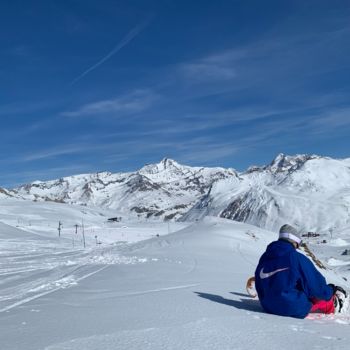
(116, 219)
(310, 234)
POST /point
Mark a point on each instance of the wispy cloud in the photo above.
(214, 67)
(12, 180)
(331, 120)
(204, 122)
(137, 101)
(206, 150)
(93, 147)
(54, 152)
(268, 61)
(128, 37)
(198, 150)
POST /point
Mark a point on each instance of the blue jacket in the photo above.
(286, 280)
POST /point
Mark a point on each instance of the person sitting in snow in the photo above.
(288, 284)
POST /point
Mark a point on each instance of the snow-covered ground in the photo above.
(36, 259)
(183, 290)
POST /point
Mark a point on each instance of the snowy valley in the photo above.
(171, 273)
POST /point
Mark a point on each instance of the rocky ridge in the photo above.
(308, 191)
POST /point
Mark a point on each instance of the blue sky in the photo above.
(112, 85)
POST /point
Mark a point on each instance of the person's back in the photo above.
(278, 281)
(287, 282)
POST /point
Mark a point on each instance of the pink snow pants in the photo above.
(323, 306)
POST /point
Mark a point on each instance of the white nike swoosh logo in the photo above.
(263, 275)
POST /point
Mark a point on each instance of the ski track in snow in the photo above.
(157, 290)
(63, 270)
(57, 276)
(51, 290)
(32, 268)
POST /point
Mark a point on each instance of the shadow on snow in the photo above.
(246, 295)
(242, 304)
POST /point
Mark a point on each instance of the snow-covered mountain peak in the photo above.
(286, 163)
(4, 193)
(323, 175)
(165, 164)
(169, 163)
(283, 164)
(307, 190)
(165, 190)
(267, 196)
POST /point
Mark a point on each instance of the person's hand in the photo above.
(337, 289)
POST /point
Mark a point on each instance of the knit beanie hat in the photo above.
(290, 233)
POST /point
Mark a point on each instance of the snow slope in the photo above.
(34, 259)
(184, 291)
(42, 218)
(310, 192)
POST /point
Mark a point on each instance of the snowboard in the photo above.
(250, 287)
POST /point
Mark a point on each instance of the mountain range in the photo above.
(309, 191)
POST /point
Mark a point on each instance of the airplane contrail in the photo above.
(130, 36)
